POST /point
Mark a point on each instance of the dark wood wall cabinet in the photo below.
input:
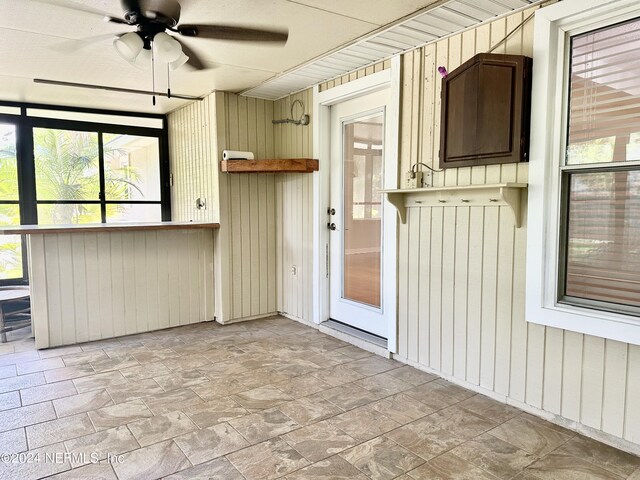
(486, 104)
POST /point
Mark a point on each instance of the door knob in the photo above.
(331, 226)
(331, 211)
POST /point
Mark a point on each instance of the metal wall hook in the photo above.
(303, 120)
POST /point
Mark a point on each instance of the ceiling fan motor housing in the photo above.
(163, 12)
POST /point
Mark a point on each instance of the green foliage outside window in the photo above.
(67, 168)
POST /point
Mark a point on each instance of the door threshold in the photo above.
(366, 341)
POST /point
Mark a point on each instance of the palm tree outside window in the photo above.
(55, 171)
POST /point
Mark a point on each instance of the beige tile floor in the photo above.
(261, 400)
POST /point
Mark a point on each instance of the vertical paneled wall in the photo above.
(294, 212)
(92, 286)
(191, 154)
(294, 203)
(461, 271)
(244, 204)
(462, 276)
(363, 72)
(247, 239)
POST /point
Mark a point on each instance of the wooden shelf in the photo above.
(288, 165)
(499, 194)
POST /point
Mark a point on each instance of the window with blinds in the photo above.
(601, 172)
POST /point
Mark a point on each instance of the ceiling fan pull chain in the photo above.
(168, 82)
(153, 74)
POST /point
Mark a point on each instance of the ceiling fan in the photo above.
(152, 20)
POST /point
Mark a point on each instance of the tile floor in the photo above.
(261, 400)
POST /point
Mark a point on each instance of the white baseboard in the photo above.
(246, 319)
(299, 320)
(585, 430)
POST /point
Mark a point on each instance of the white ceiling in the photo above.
(32, 32)
(428, 25)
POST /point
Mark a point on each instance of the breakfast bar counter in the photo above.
(98, 281)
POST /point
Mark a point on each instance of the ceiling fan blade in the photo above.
(131, 6)
(81, 8)
(115, 20)
(194, 60)
(224, 32)
(71, 46)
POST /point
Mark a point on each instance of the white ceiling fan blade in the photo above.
(70, 5)
(75, 45)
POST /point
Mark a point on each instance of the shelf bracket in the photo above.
(397, 200)
(511, 196)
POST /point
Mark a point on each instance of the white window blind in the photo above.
(602, 178)
(604, 114)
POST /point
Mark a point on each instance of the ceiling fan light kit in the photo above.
(129, 46)
(132, 48)
(143, 60)
(181, 60)
(166, 48)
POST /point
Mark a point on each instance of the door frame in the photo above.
(322, 102)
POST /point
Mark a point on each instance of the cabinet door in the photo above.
(483, 112)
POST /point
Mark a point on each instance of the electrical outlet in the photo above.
(413, 180)
(427, 179)
(294, 270)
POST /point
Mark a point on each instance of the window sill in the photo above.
(612, 326)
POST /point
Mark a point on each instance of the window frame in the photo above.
(25, 124)
(7, 118)
(554, 25)
(565, 191)
(100, 129)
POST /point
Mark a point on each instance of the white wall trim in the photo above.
(389, 78)
(391, 220)
(552, 26)
(320, 279)
(246, 319)
(298, 319)
(356, 88)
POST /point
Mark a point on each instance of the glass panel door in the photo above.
(362, 214)
(10, 245)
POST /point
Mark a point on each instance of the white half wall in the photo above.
(93, 286)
